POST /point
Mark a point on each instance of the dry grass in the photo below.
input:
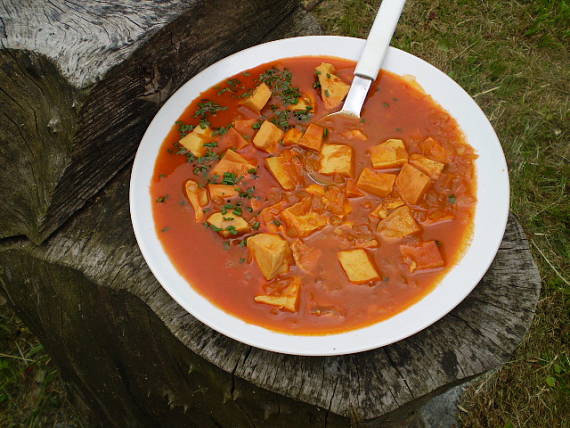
(512, 57)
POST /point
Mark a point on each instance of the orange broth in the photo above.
(222, 270)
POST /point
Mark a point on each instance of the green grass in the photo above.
(31, 391)
(512, 57)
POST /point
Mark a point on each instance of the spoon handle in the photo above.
(379, 38)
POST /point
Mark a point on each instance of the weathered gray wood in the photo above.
(79, 82)
(97, 246)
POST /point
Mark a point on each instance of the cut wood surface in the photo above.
(91, 273)
(80, 82)
(74, 106)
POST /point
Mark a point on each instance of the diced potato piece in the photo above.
(438, 216)
(377, 183)
(222, 191)
(315, 189)
(355, 134)
(245, 127)
(256, 204)
(258, 98)
(233, 139)
(312, 138)
(412, 81)
(398, 224)
(284, 171)
(306, 257)
(307, 100)
(233, 162)
(228, 224)
(288, 295)
(195, 140)
(301, 220)
(433, 150)
(358, 266)
(387, 205)
(333, 89)
(292, 136)
(198, 198)
(426, 165)
(267, 137)
(351, 190)
(271, 253)
(389, 154)
(424, 255)
(411, 183)
(269, 214)
(336, 159)
(334, 200)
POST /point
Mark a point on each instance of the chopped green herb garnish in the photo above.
(398, 129)
(227, 245)
(281, 119)
(161, 175)
(452, 199)
(248, 193)
(242, 260)
(243, 243)
(438, 243)
(222, 130)
(257, 124)
(207, 107)
(230, 178)
(303, 115)
(223, 90)
(386, 104)
(165, 229)
(327, 93)
(247, 94)
(252, 171)
(276, 222)
(232, 230)
(214, 228)
(183, 202)
(255, 225)
(326, 133)
(234, 83)
(246, 73)
(183, 128)
(280, 83)
(211, 144)
(162, 199)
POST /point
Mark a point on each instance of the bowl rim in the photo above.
(490, 223)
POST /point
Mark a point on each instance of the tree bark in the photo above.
(75, 105)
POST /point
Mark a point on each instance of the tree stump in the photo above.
(79, 83)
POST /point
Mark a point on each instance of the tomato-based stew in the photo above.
(310, 224)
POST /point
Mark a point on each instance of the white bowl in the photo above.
(489, 223)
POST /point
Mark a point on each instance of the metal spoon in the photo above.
(372, 56)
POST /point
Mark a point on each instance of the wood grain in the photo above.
(480, 334)
(80, 81)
